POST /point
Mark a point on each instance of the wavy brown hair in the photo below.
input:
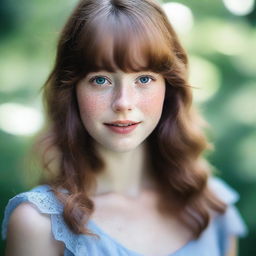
(119, 34)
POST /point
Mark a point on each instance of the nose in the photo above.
(123, 99)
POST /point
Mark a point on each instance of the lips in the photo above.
(122, 123)
(122, 126)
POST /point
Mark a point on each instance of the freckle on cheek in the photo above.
(152, 104)
(91, 105)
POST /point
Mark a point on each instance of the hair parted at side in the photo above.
(130, 35)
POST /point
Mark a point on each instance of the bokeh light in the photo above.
(205, 77)
(242, 105)
(239, 7)
(17, 119)
(180, 16)
(228, 39)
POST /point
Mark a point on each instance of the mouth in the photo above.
(126, 123)
(122, 127)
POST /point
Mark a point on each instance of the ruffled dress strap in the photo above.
(230, 223)
(46, 202)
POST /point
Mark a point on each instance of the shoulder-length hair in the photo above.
(130, 35)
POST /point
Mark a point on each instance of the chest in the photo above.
(141, 228)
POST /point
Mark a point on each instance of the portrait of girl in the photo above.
(123, 147)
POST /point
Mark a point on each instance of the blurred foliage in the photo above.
(222, 48)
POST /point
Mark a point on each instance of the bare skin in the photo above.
(119, 201)
(147, 223)
(29, 233)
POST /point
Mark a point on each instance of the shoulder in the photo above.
(33, 221)
(230, 225)
(29, 233)
(41, 197)
(223, 191)
(27, 217)
(231, 221)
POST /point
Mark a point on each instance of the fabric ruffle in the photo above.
(230, 224)
(46, 202)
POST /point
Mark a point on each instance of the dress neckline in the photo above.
(95, 226)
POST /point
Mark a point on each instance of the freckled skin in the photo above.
(122, 97)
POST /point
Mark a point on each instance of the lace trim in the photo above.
(46, 202)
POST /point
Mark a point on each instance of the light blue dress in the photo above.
(213, 241)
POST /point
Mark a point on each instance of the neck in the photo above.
(125, 173)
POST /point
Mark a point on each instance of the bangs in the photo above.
(128, 42)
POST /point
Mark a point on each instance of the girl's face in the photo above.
(131, 99)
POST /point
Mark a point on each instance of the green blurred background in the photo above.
(220, 37)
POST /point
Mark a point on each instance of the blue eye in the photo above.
(145, 79)
(100, 80)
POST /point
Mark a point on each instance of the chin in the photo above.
(121, 147)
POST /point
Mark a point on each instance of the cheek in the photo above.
(91, 106)
(153, 104)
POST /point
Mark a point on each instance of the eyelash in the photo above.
(95, 77)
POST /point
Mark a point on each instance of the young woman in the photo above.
(123, 148)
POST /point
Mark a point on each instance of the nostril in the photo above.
(122, 108)
(124, 98)
(122, 105)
